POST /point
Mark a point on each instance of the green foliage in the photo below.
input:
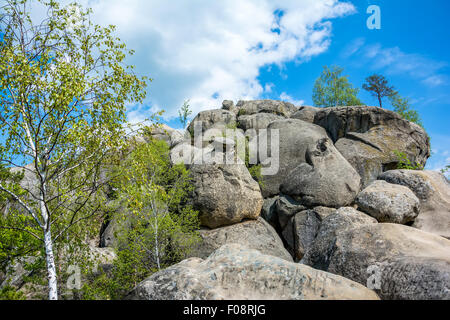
(158, 228)
(184, 113)
(10, 293)
(403, 107)
(253, 169)
(241, 112)
(332, 89)
(64, 87)
(378, 87)
(445, 169)
(405, 163)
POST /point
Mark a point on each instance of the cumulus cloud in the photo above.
(440, 153)
(395, 61)
(285, 97)
(207, 51)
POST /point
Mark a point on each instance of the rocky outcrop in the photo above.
(253, 234)
(257, 121)
(343, 219)
(218, 118)
(306, 113)
(398, 261)
(388, 202)
(433, 191)
(311, 170)
(235, 272)
(280, 108)
(225, 194)
(165, 133)
(300, 232)
(369, 136)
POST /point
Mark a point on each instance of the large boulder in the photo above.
(257, 121)
(398, 261)
(306, 113)
(219, 118)
(388, 202)
(300, 232)
(253, 234)
(311, 170)
(165, 133)
(225, 194)
(341, 220)
(285, 209)
(235, 272)
(433, 191)
(280, 108)
(368, 137)
(229, 105)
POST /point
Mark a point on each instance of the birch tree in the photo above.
(63, 89)
(159, 227)
(332, 89)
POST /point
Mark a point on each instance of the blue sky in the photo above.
(412, 49)
(208, 51)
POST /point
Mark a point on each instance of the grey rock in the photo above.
(253, 234)
(257, 121)
(281, 108)
(433, 191)
(311, 170)
(225, 194)
(218, 118)
(183, 153)
(286, 208)
(345, 218)
(400, 262)
(368, 136)
(268, 211)
(305, 113)
(235, 272)
(324, 212)
(165, 133)
(388, 202)
(300, 232)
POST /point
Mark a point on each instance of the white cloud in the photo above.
(395, 61)
(207, 51)
(440, 149)
(285, 97)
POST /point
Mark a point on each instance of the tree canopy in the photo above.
(378, 87)
(64, 85)
(333, 89)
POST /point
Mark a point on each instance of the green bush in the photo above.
(405, 163)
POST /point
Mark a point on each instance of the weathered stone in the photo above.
(229, 105)
(342, 219)
(165, 133)
(268, 211)
(401, 262)
(235, 272)
(253, 234)
(305, 113)
(183, 153)
(225, 194)
(369, 136)
(286, 208)
(311, 170)
(433, 191)
(324, 212)
(257, 121)
(300, 232)
(218, 118)
(388, 202)
(281, 108)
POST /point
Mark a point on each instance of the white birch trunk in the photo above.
(51, 269)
